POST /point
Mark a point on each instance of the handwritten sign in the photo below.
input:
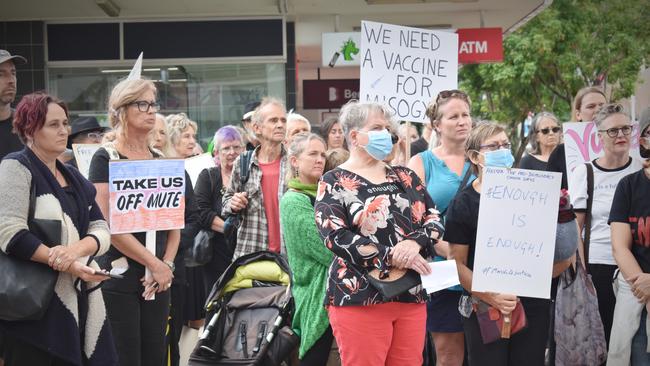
(581, 144)
(196, 164)
(515, 241)
(405, 67)
(83, 154)
(146, 195)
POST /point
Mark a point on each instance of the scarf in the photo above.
(309, 189)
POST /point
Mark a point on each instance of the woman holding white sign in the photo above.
(444, 169)
(614, 132)
(138, 325)
(488, 145)
(380, 223)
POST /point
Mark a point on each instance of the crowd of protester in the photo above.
(346, 207)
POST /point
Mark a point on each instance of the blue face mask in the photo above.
(501, 158)
(380, 144)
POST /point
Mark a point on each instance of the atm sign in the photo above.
(480, 45)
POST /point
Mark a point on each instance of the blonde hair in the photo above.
(176, 124)
(478, 135)
(434, 111)
(124, 93)
(335, 157)
(580, 95)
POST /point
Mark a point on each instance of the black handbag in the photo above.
(27, 287)
(201, 252)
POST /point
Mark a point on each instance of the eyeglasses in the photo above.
(548, 130)
(453, 93)
(613, 132)
(144, 106)
(496, 146)
(230, 149)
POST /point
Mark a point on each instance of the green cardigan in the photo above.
(309, 260)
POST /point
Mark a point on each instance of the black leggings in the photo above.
(319, 353)
(138, 326)
(524, 348)
(602, 275)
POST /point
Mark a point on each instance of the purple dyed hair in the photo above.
(226, 134)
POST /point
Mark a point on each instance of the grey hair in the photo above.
(532, 134)
(298, 117)
(608, 110)
(299, 145)
(176, 124)
(257, 115)
(354, 115)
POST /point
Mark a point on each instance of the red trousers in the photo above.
(390, 334)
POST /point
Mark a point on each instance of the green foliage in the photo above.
(571, 44)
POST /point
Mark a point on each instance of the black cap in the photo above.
(249, 109)
(84, 124)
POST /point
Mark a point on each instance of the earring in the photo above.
(295, 172)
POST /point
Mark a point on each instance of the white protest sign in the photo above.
(195, 165)
(406, 67)
(581, 144)
(83, 154)
(515, 240)
(340, 49)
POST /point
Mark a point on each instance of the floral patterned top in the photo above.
(352, 212)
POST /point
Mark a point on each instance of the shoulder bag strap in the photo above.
(463, 183)
(590, 201)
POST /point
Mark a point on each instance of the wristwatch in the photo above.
(171, 265)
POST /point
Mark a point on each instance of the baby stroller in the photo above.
(248, 314)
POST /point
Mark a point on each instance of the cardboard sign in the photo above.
(515, 240)
(196, 164)
(581, 144)
(83, 154)
(405, 67)
(146, 195)
(480, 45)
(340, 49)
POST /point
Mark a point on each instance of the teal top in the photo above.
(309, 260)
(442, 183)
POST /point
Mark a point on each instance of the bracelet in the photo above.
(96, 242)
(171, 265)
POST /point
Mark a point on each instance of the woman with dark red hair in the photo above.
(73, 329)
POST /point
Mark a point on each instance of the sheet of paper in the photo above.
(444, 274)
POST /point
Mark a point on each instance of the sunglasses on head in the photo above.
(548, 130)
(453, 93)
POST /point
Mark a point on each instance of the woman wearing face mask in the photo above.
(614, 132)
(545, 135)
(378, 221)
(443, 169)
(628, 220)
(308, 257)
(585, 105)
(488, 145)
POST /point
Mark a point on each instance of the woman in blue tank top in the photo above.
(444, 168)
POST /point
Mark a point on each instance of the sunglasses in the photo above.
(453, 93)
(613, 132)
(548, 130)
